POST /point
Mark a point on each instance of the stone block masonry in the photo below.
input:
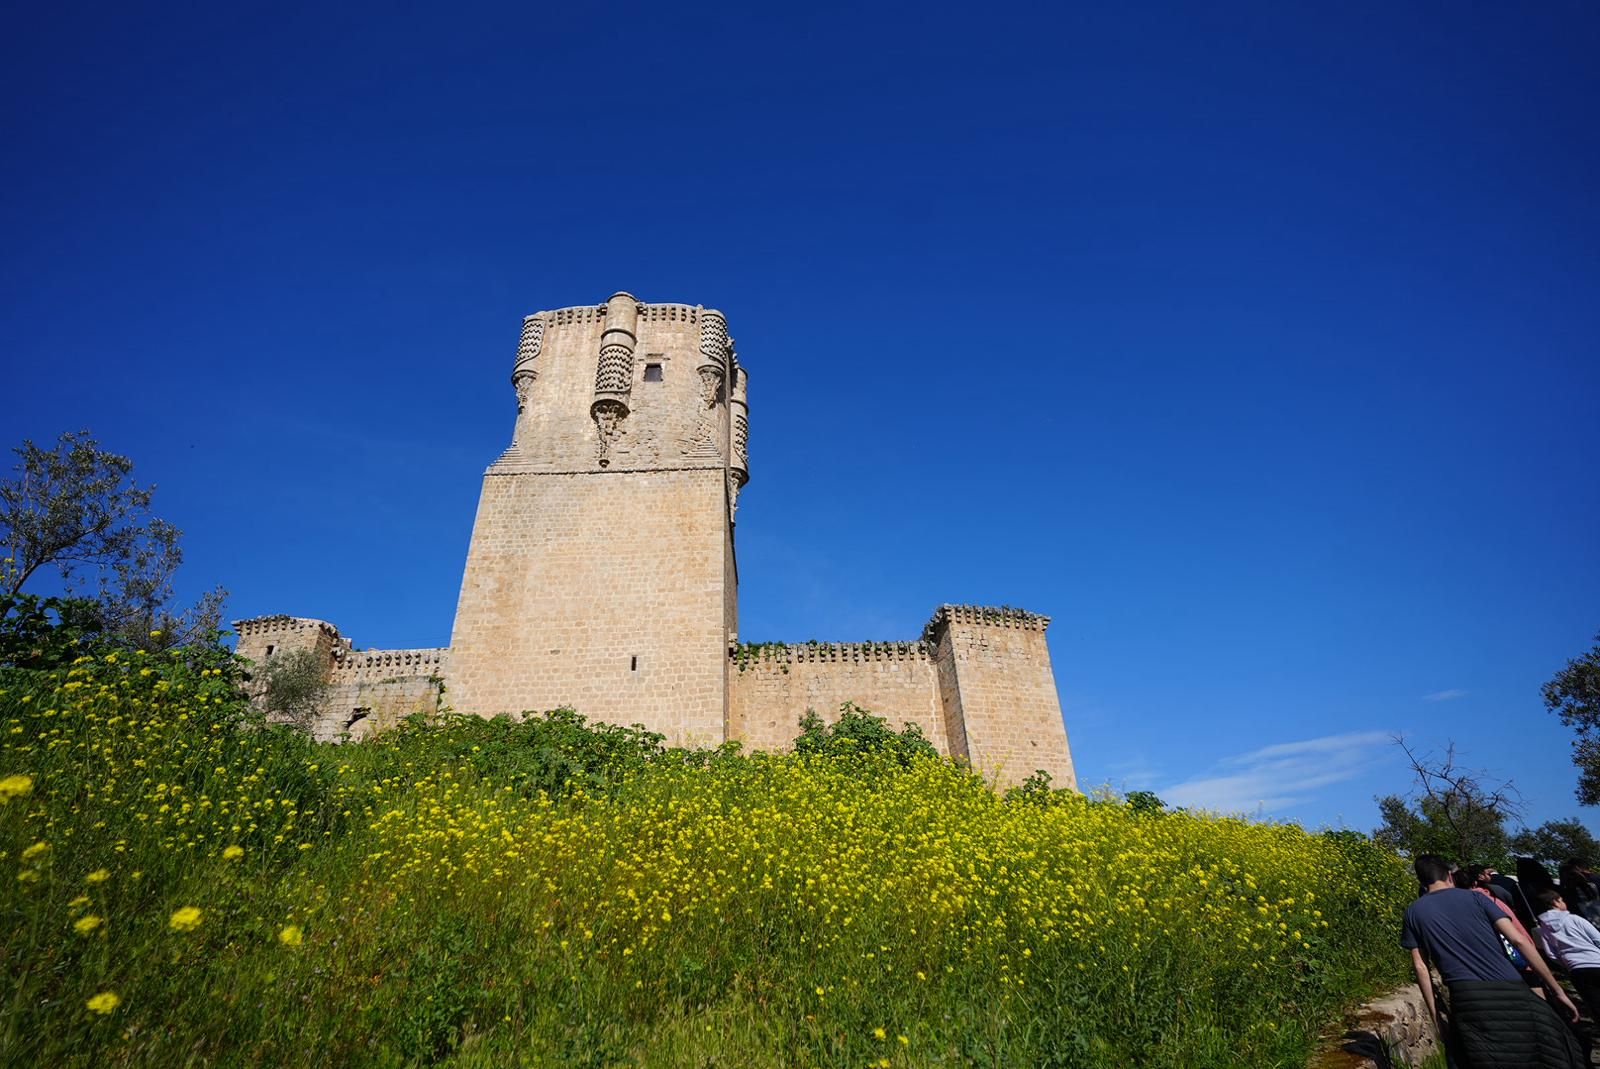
(602, 594)
(602, 575)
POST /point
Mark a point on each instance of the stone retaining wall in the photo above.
(1385, 1033)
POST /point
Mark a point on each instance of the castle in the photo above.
(601, 575)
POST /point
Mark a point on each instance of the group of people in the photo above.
(1504, 1006)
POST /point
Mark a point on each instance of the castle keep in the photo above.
(601, 575)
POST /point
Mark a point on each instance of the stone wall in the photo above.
(599, 592)
(978, 683)
(1004, 692)
(374, 689)
(770, 687)
(364, 689)
(1386, 1033)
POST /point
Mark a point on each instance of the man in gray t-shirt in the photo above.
(1455, 928)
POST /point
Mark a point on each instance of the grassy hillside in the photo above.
(185, 886)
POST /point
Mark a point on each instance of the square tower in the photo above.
(601, 571)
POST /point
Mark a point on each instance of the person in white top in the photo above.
(1574, 942)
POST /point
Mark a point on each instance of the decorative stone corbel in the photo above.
(608, 417)
(713, 370)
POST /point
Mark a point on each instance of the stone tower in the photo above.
(601, 576)
(601, 570)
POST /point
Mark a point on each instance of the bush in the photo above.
(856, 733)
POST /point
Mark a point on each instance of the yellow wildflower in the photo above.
(35, 850)
(232, 853)
(186, 919)
(98, 876)
(104, 1002)
(878, 1033)
(291, 935)
(15, 787)
(86, 924)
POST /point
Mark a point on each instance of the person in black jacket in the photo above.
(1578, 889)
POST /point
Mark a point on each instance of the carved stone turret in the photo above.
(613, 377)
(525, 371)
(739, 460)
(712, 370)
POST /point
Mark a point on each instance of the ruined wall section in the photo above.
(771, 686)
(375, 689)
(1004, 691)
(365, 689)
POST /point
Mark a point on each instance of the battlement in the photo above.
(983, 616)
(757, 655)
(351, 665)
(978, 683)
(281, 624)
(596, 313)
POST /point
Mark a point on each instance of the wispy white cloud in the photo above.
(1135, 774)
(1279, 775)
(1445, 695)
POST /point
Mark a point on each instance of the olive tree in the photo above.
(75, 511)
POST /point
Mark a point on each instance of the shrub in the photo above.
(857, 732)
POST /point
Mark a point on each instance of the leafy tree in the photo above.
(1574, 694)
(293, 685)
(858, 731)
(1451, 811)
(44, 633)
(1556, 840)
(75, 507)
(1145, 802)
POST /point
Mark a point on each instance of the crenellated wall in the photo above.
(978, 683)
(770, 687)
(364, 689)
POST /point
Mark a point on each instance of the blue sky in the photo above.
(1256, 346)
